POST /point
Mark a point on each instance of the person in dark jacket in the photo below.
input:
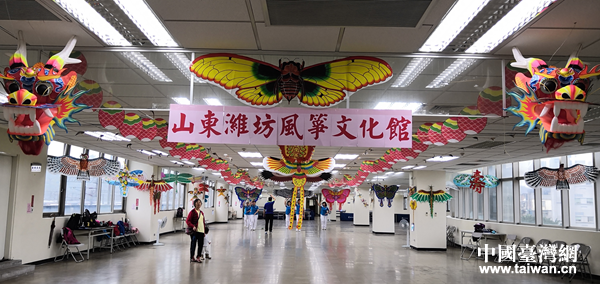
(196, 221)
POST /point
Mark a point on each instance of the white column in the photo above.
(429, 233)
(221, 206)
(333, 211)
(361, 212)
(383, 217)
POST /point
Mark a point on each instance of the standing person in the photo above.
(253, 215)
(196, 221)
(246, 213)
(297, 214)
(269, 214)
(207, 243)
(324, 213)
(288, 210)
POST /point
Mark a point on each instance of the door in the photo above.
(5, 175)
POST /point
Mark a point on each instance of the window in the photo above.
(526, 203)
(91, 194)
(551, 207)
(53, 181)
(552, 163)
(507, 171)
(525, 166)
(106, 197)
(93, 154)
(507, 201)
(479, 205)
(75, 151)
(118, 198)
(73, 195)
(491, 170)
(469, 203)
(493, 204)
(582, 205)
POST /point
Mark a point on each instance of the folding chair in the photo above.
(450, 235)
(582, 261)
(68, 247)
(538, 245)
(556, 263)
(510, 240)
(520, 249)
(474, 244)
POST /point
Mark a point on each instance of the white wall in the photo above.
(141, 216)
(590, 238)
(221, 205)
(383, 218)
(429, 233)
(361, 213)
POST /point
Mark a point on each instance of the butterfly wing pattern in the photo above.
(262, 84)
(379, 192)
(390, 193)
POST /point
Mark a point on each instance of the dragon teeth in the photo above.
(545, 110)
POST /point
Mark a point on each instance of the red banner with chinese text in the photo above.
(290, 126)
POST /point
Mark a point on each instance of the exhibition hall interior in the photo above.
(295, 141)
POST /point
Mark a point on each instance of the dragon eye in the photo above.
(27, 102)
(579, 97)
(43, 88)
(549, 85)
(13, 87)
(565, 96)
(13, 101)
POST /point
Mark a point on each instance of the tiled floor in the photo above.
(342, 254)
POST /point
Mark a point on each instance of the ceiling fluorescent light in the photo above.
(419, 167)
(442, 158)
(399, 105)
(334, 172)
(146, 152)
(412, 70)
(160, 153)
(452, 24)
(182, 101)
(145, 19)
(106, 136)
(199, 169)
(383, 105)
(217, 174)
(212, 102)
(141, 62)
(407, 167)
(339, 165)
(514, 20)
(182, 63)
(176, 162)
(188, 162)
(257, 164)
(456, 68)
(93, 21)
(250, 154)
(345, 157)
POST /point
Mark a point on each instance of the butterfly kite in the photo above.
(332, 196)
(297, 166)
(126, 179)
(385, 191)
(261, 84)
(250, 194)
(82, 168)
(156, 188)
(561, 177)
(431, 196)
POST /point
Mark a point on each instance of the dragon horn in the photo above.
(19, 58)
(522, 62)
(59, 60)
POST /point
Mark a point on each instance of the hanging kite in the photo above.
(553, 98)
(262, 84)
(431, 196)
(476, 182)
(383, 192)
(39, 97)
(288, 193)
(126, 179)
(332, 196)
(82, 168)
(201, 188)
(221, 191)
(177, 178)
(561, 177)
(465, 180)
(297, 166)
(156, 188)
(250, 194)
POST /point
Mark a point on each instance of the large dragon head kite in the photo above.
(553, 97)
(39, 97)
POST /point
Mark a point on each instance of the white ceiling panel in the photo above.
(114, 75)
(50, 33)
(582, 12)
(297, 38)
(359, 39)
(225, 35)
(540, 41)
(200, 10)
(257, 8)
(103, 60)
(144, 91)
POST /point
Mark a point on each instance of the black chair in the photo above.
(450, 230)
(474, 244)
(582, 261)
(541, 243)
(521, 247)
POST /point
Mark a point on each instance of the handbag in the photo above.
(189, 231)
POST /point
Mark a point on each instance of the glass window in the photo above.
(73, 195)
(491, 170)
(106, 192)
(551, 207)
(93, 154)
(108, 157)
(582, 206)
(553, 163)
(75, 151)
(171, 194)
(118, 203)
(584, 159)
(479, 205)
(507, 170)
(164, 198)
(493, 204)
(469, 203)
(525, 166)
(507, 200)
(121, 162)
(91, 194)
(56, 148)
(52, 192)
(526, 203)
